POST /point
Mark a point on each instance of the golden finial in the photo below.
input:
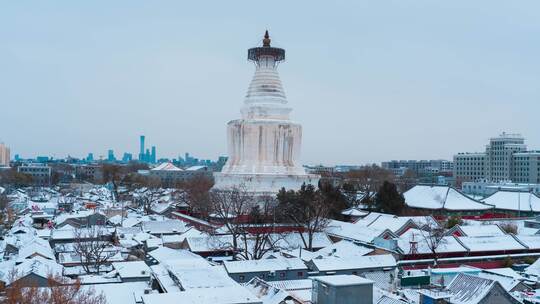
(266, 40)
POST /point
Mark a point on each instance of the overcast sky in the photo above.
(368, 80)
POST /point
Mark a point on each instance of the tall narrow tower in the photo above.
(264, 145)
(141, 151)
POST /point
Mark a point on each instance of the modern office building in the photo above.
(506, 159)
(4, 155)
(420, 167)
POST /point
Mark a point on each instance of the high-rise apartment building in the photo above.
(4, 155)
(506, 159)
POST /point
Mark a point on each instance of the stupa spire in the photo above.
(265, 97)
(266, 40)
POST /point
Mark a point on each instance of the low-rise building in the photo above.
(342, 289)
(40, 173)
(266, 269)
(354, 265)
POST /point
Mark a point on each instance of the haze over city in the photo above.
(363, 78)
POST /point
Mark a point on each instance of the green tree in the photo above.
(307, 208)
(334, 198)
(388, 199)
(452, 221)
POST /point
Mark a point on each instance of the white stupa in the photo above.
(264, 145)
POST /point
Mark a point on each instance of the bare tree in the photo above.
(368, 180)
(434, 237)
(59, 290)
(248, 219)
(261, 235)
(308, 209)
(112, 173)
(407, 180)
(197, 194)
(93, 248)
(228, 207)
(146, 199)
(64, 291)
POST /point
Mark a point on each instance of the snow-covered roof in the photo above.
(512, 200)
(534, 268)
(266, 292)
(36, 246)
(195, 168)
(132, 269)
(264, 265)
(490, 243)
(162, 254)
(343, 249)
(421, 238)
(124, 293)
(387, 221)
(363, 262)
(470, 289)
(441, 197)
(224, 295)
(166, 167)
(355, 212)
(66, 234)
(209, 243)
(482, 230)
(72, 215)
(209, 277)
(164, 227)
(39, 266)
(388, 300)
(531, 241)
(292, 284)
(342, 280)
(507, 282)
(353, 232)
(294, 240)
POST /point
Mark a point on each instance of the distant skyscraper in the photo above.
(153, 155)
(4, 155)
(141, 151)
(147, 156)
(127, 157)
(110, 156)
(90, 157)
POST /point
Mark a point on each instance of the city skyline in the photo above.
(371, 78)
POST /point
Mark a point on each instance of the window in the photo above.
(300, 274)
